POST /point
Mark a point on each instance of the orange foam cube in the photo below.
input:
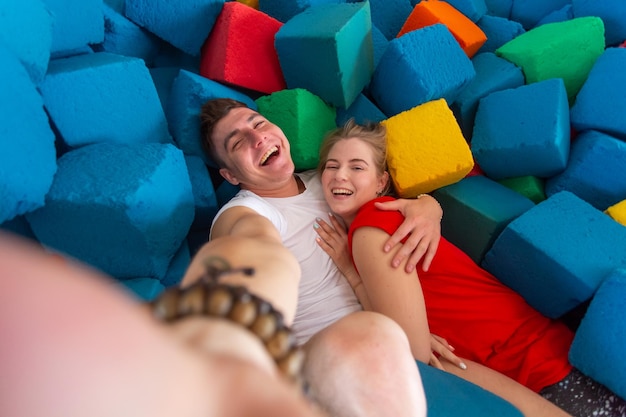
(430, 12)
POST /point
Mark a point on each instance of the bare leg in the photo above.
(354, 365)
(526, 400)
(73, 345)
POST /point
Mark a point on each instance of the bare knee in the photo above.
(361, 336)
(357, 363)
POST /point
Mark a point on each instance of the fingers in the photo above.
(434, 362)
(440, 346)
(392, 205)
(401, 232)
(430, 255)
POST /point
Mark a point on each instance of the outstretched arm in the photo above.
(245, 239)
(77, 345)
(422, 225)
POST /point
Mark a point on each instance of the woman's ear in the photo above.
(228, 176)
(384, 180)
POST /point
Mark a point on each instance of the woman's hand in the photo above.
(440, 348)
(422, 225)
(334, 241)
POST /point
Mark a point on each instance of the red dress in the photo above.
(482, 318)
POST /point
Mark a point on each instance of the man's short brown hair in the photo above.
(212, 112)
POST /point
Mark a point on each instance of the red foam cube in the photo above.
(240, 50)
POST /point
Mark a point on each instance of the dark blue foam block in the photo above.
(529, 12)
(188, 93)
(477, 210)
(103, 97)
(492, 74)
(506, 144)
(362, 111)
(124, 209)
(203, 192)
(558, 253)
(77, 24)
(26, 29)
(124, 37)
(499, 30)
(179, 264)
(328, 50)
(183, 23)
(428, 62)
(561, 15)
(601, 102)
(472, 9)
(380, 44)
(144, 289)
(500, 8)
(284, 10)
(27, 152)
(612, 13)
(450, 396)
(389, 15)
(598, 346)
(595, 171)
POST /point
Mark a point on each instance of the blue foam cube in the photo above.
(477, 209)
(203, 192)
(124, 37)
(27, 152)
(467, 400)
(103, 97)
(505, 144)
(612, 13)
(76, 24)
(557, 254)
(472, 9)
(26, 29)
(183, 23)
(124, 209)
(599, 339)
(144, 289)
(601, 102)
(328, 50)
(389, 15)
(499, 30)
(499, 8)
(180, 263)
(529, 12)
(492, 74)
(362, 111)
(428, 62)
(595, 171)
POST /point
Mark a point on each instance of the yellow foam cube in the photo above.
(252, 3)
(618, 212)
(426, 149)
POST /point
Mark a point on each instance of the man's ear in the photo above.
(228, 176)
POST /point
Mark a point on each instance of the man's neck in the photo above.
(291, 188)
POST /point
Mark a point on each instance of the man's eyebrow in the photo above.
(235, 131)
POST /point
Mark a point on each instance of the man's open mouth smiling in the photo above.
(271, 152)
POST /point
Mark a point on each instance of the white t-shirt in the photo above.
(324, 293)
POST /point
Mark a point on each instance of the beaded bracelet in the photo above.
(209, 298)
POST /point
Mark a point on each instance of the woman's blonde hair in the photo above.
(373, 134)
